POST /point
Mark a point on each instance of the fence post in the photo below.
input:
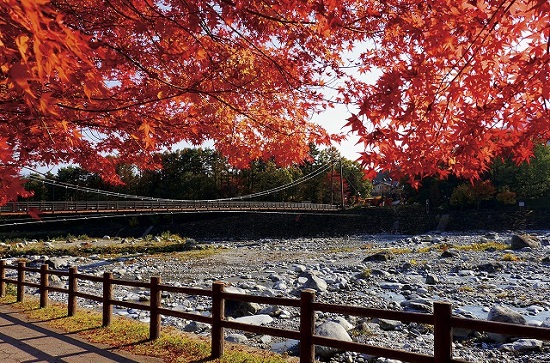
(443, 333)
(107, 298)
(20, 281)
(44, 286)
(154, 322)
(218, 314)
(307, 326)
(2, 278)
(73, 288)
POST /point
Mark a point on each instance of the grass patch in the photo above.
(365, 274)
(510, 257)
(399, 250)
(478, 246)
(87, 248)
(427, 249)
(466, 288)
(172, 346)
(484, 246)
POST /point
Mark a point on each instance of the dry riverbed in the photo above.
(476, 272)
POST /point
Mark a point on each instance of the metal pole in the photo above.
(342, 185)
(332, 183)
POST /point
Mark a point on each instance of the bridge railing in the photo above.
(442, 319)
(59, 207)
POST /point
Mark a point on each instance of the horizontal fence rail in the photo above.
(142, 206)
(441, 319)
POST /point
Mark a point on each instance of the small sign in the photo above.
(521, 204)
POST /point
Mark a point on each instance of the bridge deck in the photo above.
(160, 206)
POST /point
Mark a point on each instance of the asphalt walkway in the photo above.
(25, 341)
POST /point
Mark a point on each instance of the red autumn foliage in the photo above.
(99, 83)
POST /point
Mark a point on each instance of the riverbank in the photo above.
(407, 220)
(475, 272)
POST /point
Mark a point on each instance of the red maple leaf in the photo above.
(34, 213)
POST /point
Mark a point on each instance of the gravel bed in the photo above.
(378, 271)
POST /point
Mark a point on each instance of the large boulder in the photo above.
(57, 263)
(314, 282)
(503, 314)
(236, 338)
(261, 319)
(418, 304)
(379, 256)
(342, 321)
(237, 309)
(524, 345)
(290, 347)
(490, 267)
(334, 330)
(524, 240)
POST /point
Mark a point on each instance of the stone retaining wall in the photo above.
(402, 220)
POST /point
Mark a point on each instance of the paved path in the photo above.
(25, 341)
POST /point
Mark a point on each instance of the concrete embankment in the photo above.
(404, 220)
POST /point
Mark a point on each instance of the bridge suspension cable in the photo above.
(294, 183)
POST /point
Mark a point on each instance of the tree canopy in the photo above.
(103, 83)
(203, 174)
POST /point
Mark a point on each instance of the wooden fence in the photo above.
(442, 318)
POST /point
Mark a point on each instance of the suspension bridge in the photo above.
(119, 204)
(159, 206)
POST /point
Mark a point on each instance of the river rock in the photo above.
(236, 338)
(503, 314)
(521, 241)
(261, 319)
(524, 345)
(290, 346)
(236, 308)
(450, 253)
(196, 327)
(314, 282)
(379, 257)
(422, 305)
(271, 310)
(394, 286)
(54, 280)
(57, 263)
(330, 329)
(386, 324)
(490, 267)
(431, 279)
(342, 321)
(280, 285)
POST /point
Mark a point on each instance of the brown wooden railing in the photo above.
(157, 206)
(441, 319)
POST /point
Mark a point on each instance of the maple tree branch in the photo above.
(121, 13)
(471, 58)
(279, 20)
(250, 117)
(192, 89)
(125, 107)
